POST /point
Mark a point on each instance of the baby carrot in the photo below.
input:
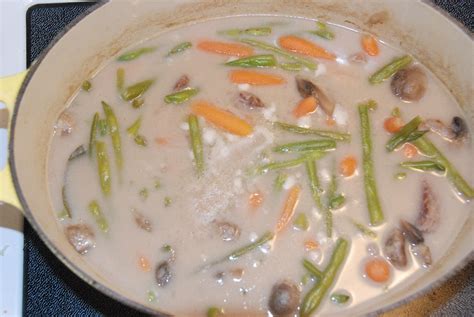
(289, 207)
(223, 48)
(299, 45)
(306, 106)
(144, 264)
(378, 270)
(255, 78)
(348, 166)
(369, 44)
(310, 245)
(393, 124)
(223, 119)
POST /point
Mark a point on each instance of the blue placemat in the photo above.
(52, 290)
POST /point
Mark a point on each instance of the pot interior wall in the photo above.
(115, 25)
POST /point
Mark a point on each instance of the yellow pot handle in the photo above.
(9, 87)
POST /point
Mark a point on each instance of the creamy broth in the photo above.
(159, 182)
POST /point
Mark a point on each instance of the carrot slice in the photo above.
(223, 119)
(348, 166)
(330, 122)
(393, 124)
(289, 207)
(223, 48)
(306, 106)
(378, 270)
(409, 150)
(310, 245)
(255, 78)
(144, 264)
(299, 45)
(256, 199)
(370, 45)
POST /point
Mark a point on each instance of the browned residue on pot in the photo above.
(3, 118)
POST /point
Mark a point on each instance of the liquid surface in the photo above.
(159, 184)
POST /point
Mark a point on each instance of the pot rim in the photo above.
(116, 295)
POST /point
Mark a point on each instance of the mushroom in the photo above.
(182, 83)
(228, 231)
(163, 274)
(409, 84)
(141, 221)
(250, 100)
(394, 249)
(459, 127)
(81, 237)
(65, 124)
(423, 252)
(428, 218)
(438, 127)
(284, 298)
(412, 233)
(306, 88)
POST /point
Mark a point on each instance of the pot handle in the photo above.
(9, 87)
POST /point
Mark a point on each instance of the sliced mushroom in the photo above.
(306, 88)
(182, 83)
(358, 58)
(237, 274)
(142, 221)
(227, 230)
(163, 274)
(423, 252)
(412, 233)
(65, 124)
(409, 84)
(394, 249)
(284, 298)
(459, 127)
(429, 216)
(250, 100)
(438, 127)
(81, 237)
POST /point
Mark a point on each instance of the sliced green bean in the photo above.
(373, 202)
(215, 312)
(181, 96)
(196, 143)
(289, 163)
(301, 222)
(86, 85)
(102, 127)
(180, 48)
(66, 205)
(340, 298)
(390, 69)
(114, 131)
(337, 202)
(167, 201)
(323, 31)
(257, 31)
(424, 166)
(272, 48)
(151, 296)
(266, 60)
(78, 152)
(131, 55)
(400, 176)
(292, 67)
(316, 192)
(93, 133)
(312, 269)
(95, 210)
(133, 129)
(279, 181)
(403, 135)
(120, 81)
(136, 90)
(143, 193)
(313, 145)
(337, 136)
(314, 297)
(137, 102)
(103, 167)
(140, 140)
(364, 230)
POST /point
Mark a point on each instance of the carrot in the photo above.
(348, 166)
(306, 106)
(393, 124)
(330, 122)
(378, 270)
(409, 150)
(369, 44)
(289, 207)
(310, 245)
(256, 199)
(161, 141)
(255, 78)
(223, 48)
(299, 45)
(144, 264)
(223, 119)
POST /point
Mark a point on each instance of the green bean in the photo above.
(272, 48)
(140, 140)
(337, 202)
(415, 135)
(400, 176)
(180, 48)
(103, 167)
(120, 81)
(143, 193)
(364, 230)
(316, 191)
(114, 131)
(133, 129)
(257, 31)
(93, 133)
(314, 297)
(301, 222)
(290, 163)
(66, 205)
(373, 203)
(254, 61)
(279, 181)
(403, 135)
(151, 296)
(131, 55)
(323, 31)
(390, 69)
(196, 143)
(292, 67)
(215, 312)
(167, 201)
(136, 90)
(102, 127)
(86, 85)
(313, 145)
(94, 209)
(424, 166)
(137, 102)
(395, 112)
(312, 269)
(78, 152)
(340, 298)
(427, 148)
(181, 96)
(337, 136)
